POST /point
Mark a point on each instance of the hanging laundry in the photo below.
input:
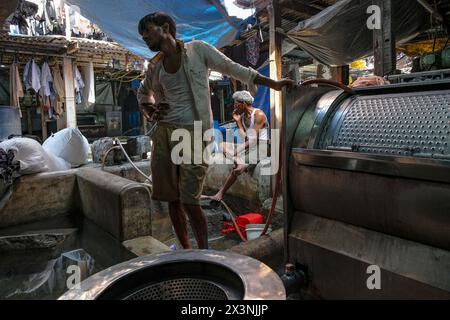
(89, 89)
(78, 84)
(58, 86)
(46, 89)
(252, 50)
(32, 76)
(50, 10)
(75, 16)
(46, 80)
(15, 86)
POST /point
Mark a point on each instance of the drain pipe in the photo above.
(293, 279)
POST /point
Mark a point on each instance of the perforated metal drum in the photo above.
(183, 275)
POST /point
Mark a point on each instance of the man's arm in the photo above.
(145, 97)
(276, 85)
(238, 119)
(217, 61)
(260, 120)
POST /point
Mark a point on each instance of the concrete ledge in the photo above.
(268, 249)
(119, 206)
(125, 170)
(143, 246)
(39, 196)
(253, 187)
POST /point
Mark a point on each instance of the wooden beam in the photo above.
(222, 106)
(275, 66)
(275, 42)
(299, 6)
(29, 122)
(71, 112)
(341, 74)
(384, 41)
(43, 120)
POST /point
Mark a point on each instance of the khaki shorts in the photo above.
(175, 182)
(245, 156)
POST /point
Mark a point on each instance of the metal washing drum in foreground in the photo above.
(183, 275)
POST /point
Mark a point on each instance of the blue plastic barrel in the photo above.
(9, 122)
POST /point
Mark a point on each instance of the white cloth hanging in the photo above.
(15, 87)
(78, 79)
(89, 89)
(46, 80)
(32, 76)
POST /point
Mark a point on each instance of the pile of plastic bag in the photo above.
(66, 149)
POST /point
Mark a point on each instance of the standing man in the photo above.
(252, 124)
(175, 92)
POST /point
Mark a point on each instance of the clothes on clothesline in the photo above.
(246, 53)
(32, 76)
(252, 49)
(78, 84)
(89, 89)
(15, 86)
(77, 78)
(46, 80)
(58, 86)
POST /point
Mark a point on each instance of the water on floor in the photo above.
(36, 258)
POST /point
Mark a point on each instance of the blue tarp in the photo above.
(262, 99)
(196, 19)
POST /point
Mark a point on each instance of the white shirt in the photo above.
(179, 97)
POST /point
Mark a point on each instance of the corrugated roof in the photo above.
(100, 52)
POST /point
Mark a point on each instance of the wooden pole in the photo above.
(43, 121)
(275, 42)
(384, 41)
(275, 62)
(71, 112)
(222, 106)
(29, 122)
(341, 74)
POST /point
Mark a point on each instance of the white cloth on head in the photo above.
(243, 96)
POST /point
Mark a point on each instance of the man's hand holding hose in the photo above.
(154, 112)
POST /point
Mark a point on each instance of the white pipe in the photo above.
(131, 162)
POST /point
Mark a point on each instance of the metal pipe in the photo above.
(431, 10)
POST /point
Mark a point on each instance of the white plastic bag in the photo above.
(70, 145)
(32, 156)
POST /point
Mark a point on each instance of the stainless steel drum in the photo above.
(367, 182)
(183, 275)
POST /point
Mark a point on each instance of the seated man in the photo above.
(253, 125)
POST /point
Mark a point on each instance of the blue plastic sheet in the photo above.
(196, 19)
